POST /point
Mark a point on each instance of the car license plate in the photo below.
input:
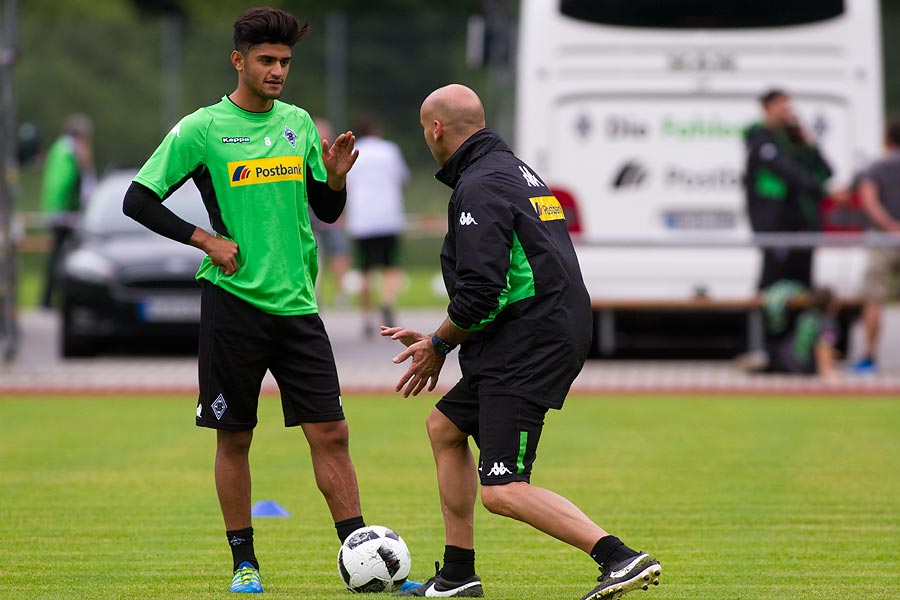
(170, 310)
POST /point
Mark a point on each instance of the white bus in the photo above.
(633, 113)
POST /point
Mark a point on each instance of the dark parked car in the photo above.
(125, 284)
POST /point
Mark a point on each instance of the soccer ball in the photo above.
(373, 559)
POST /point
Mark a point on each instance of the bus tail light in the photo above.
(570, 209)
(843, 216)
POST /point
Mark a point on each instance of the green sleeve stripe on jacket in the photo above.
(519, 284)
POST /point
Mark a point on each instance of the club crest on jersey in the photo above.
(290, 136)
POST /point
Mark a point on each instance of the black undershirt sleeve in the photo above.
(326, 203)
(144, 206)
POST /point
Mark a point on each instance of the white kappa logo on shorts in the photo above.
(499, 469)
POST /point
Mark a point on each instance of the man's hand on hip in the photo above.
(222, 253)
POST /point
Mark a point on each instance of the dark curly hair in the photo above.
(265, 25)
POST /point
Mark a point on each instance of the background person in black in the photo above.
(785, 181)
(520, 311)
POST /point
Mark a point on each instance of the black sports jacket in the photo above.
(512, 275)
(785, 181)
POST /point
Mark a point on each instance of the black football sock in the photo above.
(348, 526)
(609, 550)
(241, 542)
(459, 563)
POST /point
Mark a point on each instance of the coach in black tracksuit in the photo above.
(512, 275)
(785, 181)
(521, 314)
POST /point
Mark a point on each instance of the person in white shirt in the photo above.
(375, 217)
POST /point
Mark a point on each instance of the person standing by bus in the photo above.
(785, 182)
(879, 191)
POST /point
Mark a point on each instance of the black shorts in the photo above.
(239, 343)
(379, 251)
(505, 428)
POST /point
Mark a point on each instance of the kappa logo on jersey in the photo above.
(219, 407)
(176, 131)
(235, 140)
(266, 170)
(467, 219)
(530, 178)
(290, 136)
(499, 469)
(547, 208)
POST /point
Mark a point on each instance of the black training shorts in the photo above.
(239, 343)
(379, 251)
(505, 428)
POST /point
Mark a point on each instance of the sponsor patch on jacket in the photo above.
(547, 208)
(266, 170)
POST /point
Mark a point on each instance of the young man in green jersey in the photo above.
(259, 163)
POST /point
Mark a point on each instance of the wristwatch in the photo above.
(440, 346)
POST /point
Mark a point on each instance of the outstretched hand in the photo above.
(426, 363)
(407, 337)
(338, 159)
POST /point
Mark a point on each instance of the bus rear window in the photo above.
(702, 14)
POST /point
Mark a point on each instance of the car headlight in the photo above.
(89, 266)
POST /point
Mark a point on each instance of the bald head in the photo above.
(449, 116)
(457, 107)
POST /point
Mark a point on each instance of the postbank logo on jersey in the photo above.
(547, 208)
(266, 170)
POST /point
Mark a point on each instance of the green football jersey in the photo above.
(251, 170)
(61, 189)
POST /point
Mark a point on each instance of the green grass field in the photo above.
(739, 498)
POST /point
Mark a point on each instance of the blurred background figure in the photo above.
(375, 217)
(809, 346)
(879, 191)
(785, 182)
(68, 179)
(331, 237)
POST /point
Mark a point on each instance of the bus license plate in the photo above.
(699, 219)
